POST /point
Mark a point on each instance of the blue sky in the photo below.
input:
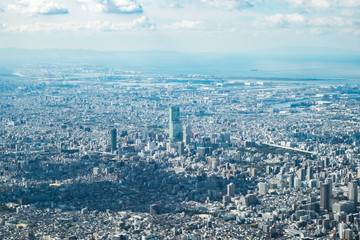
(180, 25)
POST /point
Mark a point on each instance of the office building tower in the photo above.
(175, 126)
(215, 164)
(291, 181)
(253, 172)
(313, 183)
(326, 162)
(297, 183)
(301, 174)
(154, 209)
(113, 134)
(145, 134)
(325, 196)
(180, 148)
(310, 173)
(333, 178)
(296, 162)
(226, 199)
(329, 181)
(263, 188)
(348, 234)
(231, 189)
(186, 135)
(353, 192)
(268, 169)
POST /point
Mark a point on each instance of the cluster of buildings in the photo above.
(137, 156)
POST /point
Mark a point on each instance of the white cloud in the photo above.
(111, 6)
(290, 20)
(187, 24)
(231, 4)
(330, 22)
(309, 4)
(283, 19)
(124, 6)
(139, 23)
(347, 12)
(92, 5)
(347, 3)
(316, 31)
(37, 7)
(175, 5)
(314, 25)
(349, 30)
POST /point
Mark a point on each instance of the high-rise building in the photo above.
(186, 134)
(113, 134)
(297, 183)
(353, 193)
(341, 227)
(263, 188)
(326, 162)
(180, 148)
(253, 172)
(301, 174)
(145, 134)
(329, 181)
(310, 173)
(291, 181)
(325, 196)
(175, 126)
(154, 209)
(231, 189)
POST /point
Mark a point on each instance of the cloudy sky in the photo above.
(180, 25)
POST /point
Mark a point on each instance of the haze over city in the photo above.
(186, 120)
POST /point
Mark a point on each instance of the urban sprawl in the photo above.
(96, 153)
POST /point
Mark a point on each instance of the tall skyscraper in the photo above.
(329, 181)
(291, 181)
(186, 134)
(310, 173)
(325, 196)
(326, 162)
(301, 174)
(353, 193)
(180, 148)
(175, 126)
(113, 134)
(231, 189)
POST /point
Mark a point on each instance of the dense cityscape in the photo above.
(98, 153)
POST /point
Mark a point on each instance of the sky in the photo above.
(231, 26)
